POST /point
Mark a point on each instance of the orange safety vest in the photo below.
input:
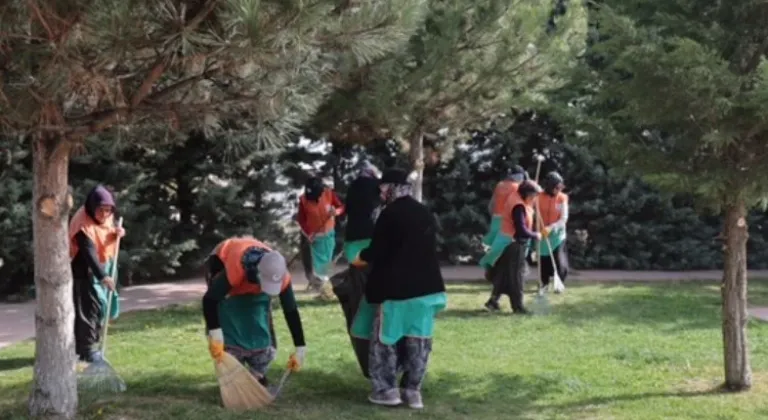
(103, 236)
(320, 214)
(507, 224)
(230, 252)
(501, 193)
(551, 208)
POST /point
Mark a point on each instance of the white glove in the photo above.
(296, 361)
(300, 354)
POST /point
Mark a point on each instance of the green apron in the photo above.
(493, 230)
(497, 248)
(400, 318)
(322, 247)
(353, 248)
(102, 292)
(245, 321)
(556, 238)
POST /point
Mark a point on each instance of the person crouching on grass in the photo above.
(404, 292)
(242, 275)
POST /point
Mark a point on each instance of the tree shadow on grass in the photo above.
(14, 363)
(666, 308)
(344, 393)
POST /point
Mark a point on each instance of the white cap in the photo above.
(272, 270)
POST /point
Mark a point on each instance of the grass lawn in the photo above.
(603, 352)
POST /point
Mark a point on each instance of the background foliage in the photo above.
(179, 202)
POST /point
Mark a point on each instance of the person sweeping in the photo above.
(553, 210)
(318, 208)
(362, 207)
(93, 239)
(500, 194)
(242, 275)
(507, 271)
(404, 292)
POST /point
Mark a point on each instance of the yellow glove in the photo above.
(358, 262)
(544, 232)
(216, 344)
(297, 359)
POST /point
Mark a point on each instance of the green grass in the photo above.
(604, 352)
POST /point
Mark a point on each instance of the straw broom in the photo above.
(239, 389)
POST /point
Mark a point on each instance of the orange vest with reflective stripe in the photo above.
(320, 214)
(551, 208)
(507, 224)
(103, 236)
(501, 193)
(230, 252)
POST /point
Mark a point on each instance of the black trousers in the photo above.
(508, 275)
(87, 317)
(305, 249)
(561, 260)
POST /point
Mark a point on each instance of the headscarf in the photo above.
(396, 185)
(314, 188)
(370, 170)
(517, 174)
(99, 196)
(551, 181)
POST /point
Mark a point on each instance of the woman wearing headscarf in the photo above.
(243, 274)
(362, 206)
(92, 249)
(404, 292)
(318, 208)
(496, 206)
(553, 208)
(508, 270)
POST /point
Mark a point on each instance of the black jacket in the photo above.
(403, 253)
(361, 201)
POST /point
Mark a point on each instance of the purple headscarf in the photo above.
(99, 196)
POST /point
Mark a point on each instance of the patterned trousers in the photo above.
(410, 355)
(257, 361)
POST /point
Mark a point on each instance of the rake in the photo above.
(99, 376)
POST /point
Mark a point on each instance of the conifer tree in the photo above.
(676, 90)
(255, 69)
(469, 62)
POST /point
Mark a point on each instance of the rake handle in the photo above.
(110, 294)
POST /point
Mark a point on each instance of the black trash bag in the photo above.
(349, 288)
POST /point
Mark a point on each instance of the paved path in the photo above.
(17, 319)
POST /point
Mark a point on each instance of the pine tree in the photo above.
(469, 62)
(677, 91)
(76, 68)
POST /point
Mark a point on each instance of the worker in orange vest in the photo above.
(553, 208)
(318, 208)
(243, 274)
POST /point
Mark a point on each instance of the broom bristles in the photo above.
(239, 389)
(101, 377)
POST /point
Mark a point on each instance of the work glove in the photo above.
(216, 344)
(545, 232)
(296, 361)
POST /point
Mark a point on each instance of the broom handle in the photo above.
(111, 292)
(538, 225)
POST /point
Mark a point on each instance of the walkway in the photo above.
(17, 319)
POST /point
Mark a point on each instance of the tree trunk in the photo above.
(54, 384)
(738, 373)
(417, 161)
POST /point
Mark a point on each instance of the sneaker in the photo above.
(492, 306)
(94, 356)
(389, 398)
(412, 397)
